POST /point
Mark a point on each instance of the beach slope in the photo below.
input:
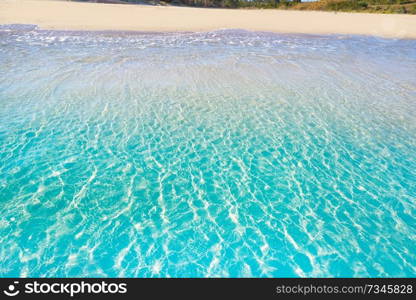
(65, 15)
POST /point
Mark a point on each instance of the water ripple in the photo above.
(226, 153)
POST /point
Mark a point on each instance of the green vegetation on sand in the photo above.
(372, 6)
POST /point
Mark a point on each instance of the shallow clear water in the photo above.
(227, 153)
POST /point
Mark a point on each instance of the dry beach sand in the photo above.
(65, 15)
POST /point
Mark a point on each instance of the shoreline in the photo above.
(62, 15)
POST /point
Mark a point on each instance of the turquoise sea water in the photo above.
(226, 153)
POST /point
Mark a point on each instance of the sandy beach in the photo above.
(65, 15)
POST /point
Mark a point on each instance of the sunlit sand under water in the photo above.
(225, 153)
